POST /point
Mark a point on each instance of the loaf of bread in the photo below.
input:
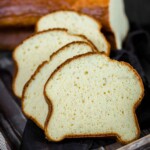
(36, 49)
(26, 13)
(76, 23)
(93, 96)
(33, 94)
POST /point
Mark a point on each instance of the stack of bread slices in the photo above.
(68, 84)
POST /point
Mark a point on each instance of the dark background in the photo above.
(138, 12)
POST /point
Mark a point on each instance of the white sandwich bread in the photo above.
(36, 49)
(93, 96)
(76, 23)
(33, 95)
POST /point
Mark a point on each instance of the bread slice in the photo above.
(33, 96)
(76, 23)
(93, 96)
(36, 49)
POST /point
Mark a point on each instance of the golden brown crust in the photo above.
(15, 21)
(42, 32)
(98, 134)
(26, 13)
(81, 14)
(36, 72)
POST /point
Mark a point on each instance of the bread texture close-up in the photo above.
(76, 23)
(33, 94)
(36, 49)
(93, 96)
